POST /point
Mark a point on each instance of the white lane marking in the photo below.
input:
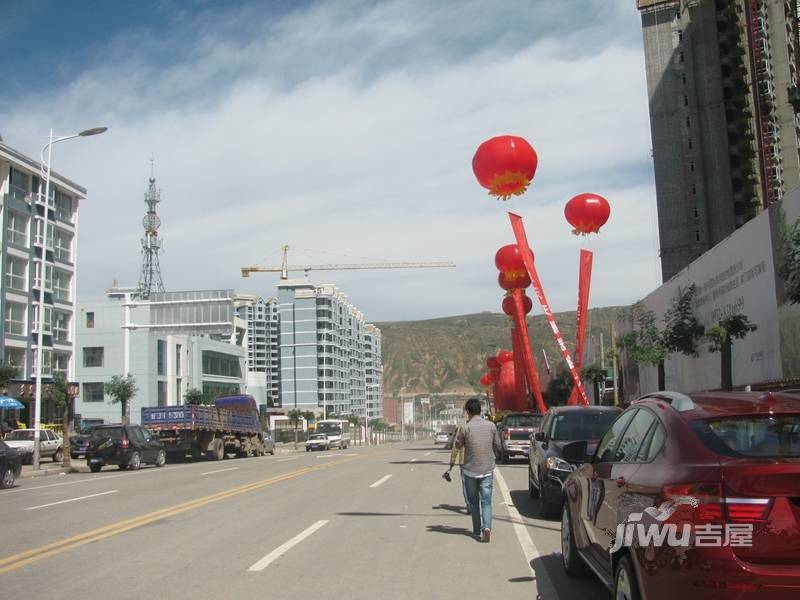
(428, 453)
(71, 500)
(328, 456)
(413, 460)
(285, 459)
(281, 550)
(380, 481)
(544, 585)
(219, 471)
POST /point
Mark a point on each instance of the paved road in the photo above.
(363, 523)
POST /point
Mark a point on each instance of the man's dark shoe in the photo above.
(487, 534)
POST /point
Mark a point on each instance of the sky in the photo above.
(345, 129)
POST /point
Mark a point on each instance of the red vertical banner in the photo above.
(519, 373)
(527, 257)
(584, 282)
(523, 341)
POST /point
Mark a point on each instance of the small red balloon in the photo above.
(508, 305)
(505, 165)
(587, 213)
(505, 356)
(492, 363)
(509, 260)
(513, 281)
(486, 380)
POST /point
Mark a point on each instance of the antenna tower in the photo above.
(150, 277)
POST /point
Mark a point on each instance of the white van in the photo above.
(337, 430)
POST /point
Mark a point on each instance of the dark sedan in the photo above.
(547, 469)
(10, 465)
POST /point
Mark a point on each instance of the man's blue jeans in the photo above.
(479, 492)
(464, 490)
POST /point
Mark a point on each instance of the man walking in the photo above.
(458, 454)
(480, 441)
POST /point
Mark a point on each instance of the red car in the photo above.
(690, 497)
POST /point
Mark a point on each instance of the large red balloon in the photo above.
(505, 391)
(587, 213)
(505, 165)
(513, 281)
(508, 305)
(505, 356)
(492, 362)
(509, 260)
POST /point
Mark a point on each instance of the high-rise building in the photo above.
(325, 366)
(23, 257)
(723, 92)
(263, 349)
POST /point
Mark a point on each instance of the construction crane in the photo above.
(285, 268)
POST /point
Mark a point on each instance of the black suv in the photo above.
(547, 469)
(10, 465)
(125, 445)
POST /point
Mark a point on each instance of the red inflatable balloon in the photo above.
(508, 305)
(505, 392)
(509, 260)
(587, 213)
(492, 362)
(505, 356)
(505, 165)
(486, 380)
(513, 281)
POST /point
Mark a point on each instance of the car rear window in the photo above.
(582, 425)
(768, 436)
(522, 421)
(115, 433)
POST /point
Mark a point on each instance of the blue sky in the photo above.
(340, 126)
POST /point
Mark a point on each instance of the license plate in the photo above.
(94, 460)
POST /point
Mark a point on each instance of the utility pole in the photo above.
(614, 361)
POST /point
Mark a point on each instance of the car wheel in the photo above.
(95, 468)
(59, 455)
(9, 477)
(272, 452)
(547, 509)
(533, 491)
(135, 462)
(161, 458)
(573, 561)
(625, 585)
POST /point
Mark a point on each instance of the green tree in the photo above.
(59, 392)
(683, 332)
(596, 375)
(122, 388)
(194, 397)
(721, 339)
(295, 418)
(7, 373)
(559, 388)
(644, 342)
(790, 264)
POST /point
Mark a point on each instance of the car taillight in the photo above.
(713, 506)
(505, 434)
(124, 444)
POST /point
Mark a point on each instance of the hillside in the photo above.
(448, 355)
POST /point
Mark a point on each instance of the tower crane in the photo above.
(285, 268)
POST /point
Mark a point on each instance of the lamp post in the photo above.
(45, 171)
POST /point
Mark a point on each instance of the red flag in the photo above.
(523, 342)
(527, 257)
(584, 282)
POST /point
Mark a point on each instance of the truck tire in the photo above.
(217, 451)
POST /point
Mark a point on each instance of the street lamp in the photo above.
(45, 172)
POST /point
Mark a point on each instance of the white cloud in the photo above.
(351, 130)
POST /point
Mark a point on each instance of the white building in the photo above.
(263, 331)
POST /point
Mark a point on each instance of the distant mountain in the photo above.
(447, 355)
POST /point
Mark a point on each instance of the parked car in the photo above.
(547, 469)
(79, 441)
(10, 465)
(515, 430)
(723, 462)
(125, 445)
(50, 444)
(318, 441)
(441, 438)
(267, 442)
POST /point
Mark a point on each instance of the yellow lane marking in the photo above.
(11, 563)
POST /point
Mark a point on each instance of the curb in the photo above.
(31, 474)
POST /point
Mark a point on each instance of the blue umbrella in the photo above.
(9, 402)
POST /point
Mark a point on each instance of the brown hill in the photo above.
(447, 355)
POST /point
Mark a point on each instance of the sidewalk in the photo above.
(46, 467)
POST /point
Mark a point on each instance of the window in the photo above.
(216, 363)
(89, 320)
(162, 393)
(178, 394)
(15, 318)
(93, 356)
(93, 392)
(608, 444)
(178, 363)
(652, 444)
(161, 357)
(16, 357)
(47, 326)
(18, 186)
(61, 327)
(63, 206)
(62, 242)
(62, 282)
(47, 362)
(15, 274)
(37, 276)
(39, 233)
(634, 435)
(759, 436)
(60, 362)
(689, 143)
(17, 229)
(696, 235)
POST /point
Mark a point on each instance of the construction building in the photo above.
(723, 93)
